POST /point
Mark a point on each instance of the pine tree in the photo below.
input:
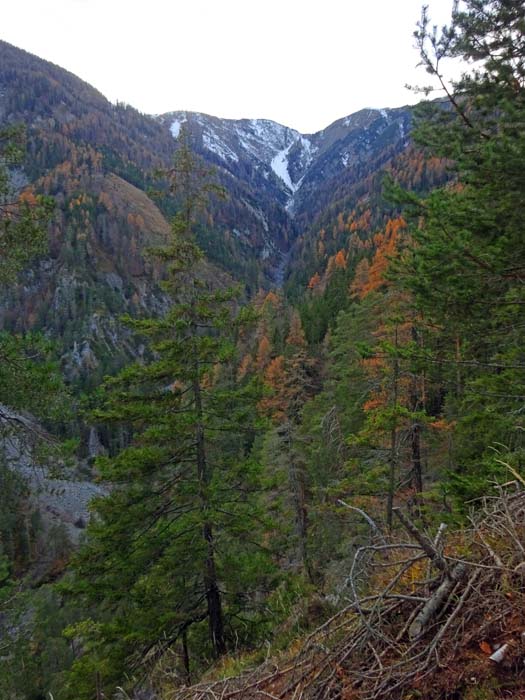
(175, 544)
(465, 267)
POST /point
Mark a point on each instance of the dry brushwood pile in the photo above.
(446, 620)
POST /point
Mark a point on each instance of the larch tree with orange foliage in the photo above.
(290, 379)
(315, 281)
(394, 407)
(264, 350)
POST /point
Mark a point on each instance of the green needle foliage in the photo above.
(22, 218)
(30, 383)
(466, 262)
(28, 377)
(174, 554)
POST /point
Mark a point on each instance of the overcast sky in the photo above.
(303, 63)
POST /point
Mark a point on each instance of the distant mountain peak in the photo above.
(97, 159)
(282, 155)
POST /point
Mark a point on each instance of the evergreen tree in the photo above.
(30, 383)
(28, 378)
(22, 214)
(465, 266)
(290, 380)
(175, 545)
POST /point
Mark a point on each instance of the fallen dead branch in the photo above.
(434, 617)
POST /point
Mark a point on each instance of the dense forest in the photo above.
(312, 489)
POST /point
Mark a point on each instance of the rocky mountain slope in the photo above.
(96, 159)
(61, 496)
(296, 182)
(282, 163)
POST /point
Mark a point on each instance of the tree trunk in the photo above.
(98, 687)
(298, 489)
(213, 596)
(301, 516)
(417, 471)
(393, 440)
(436, 601)
(416, 402)
(186, 657)
(458, 366)
(211, 586)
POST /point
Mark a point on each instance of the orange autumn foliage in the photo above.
(485, 647)
(274, 373)
(340, 260)
(336, 262)
(263, 352)
(28, 197)
(272, 298)
(367, 281)
(372, 362)
(244, 367)
(362, 222)
(315, 281)
(361, 275)
(374, 402)
(442, 424)
(276, 403)
(296, 335)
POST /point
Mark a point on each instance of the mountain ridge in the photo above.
(280, 151)
(97, 159)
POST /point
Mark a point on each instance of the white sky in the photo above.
(303, 63)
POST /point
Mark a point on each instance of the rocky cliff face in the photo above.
(96, 159)
(280, 163)
(59, 496)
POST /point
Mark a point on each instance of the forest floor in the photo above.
(438, 617)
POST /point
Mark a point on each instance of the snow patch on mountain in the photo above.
(263, 139)
(279, 165)
(308, 151)
(270, 147)
(265, 150)
(175, 127)
(217, 146)
(266, 129)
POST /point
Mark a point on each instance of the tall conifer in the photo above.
(174, 546)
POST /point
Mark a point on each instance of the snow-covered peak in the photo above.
(275, 145)
(265, 144)
(262, 149)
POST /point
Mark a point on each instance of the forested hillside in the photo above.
(99, 162)
(287, 371)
